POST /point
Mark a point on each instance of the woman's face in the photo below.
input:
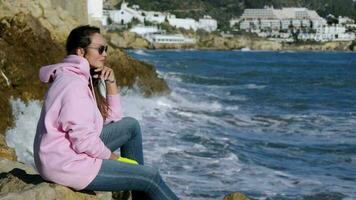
(93, 55)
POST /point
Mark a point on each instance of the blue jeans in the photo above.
(118, 176)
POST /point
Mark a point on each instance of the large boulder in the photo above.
(136, 74)
(21, 182)
(5, 151)
(58, 16)
(236, 196)
(26, 45)
(128, 39)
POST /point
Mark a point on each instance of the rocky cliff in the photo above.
(26, 43)
(57, 16)
(21, 182)
(32, 34)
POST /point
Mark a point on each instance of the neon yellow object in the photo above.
(126, 160)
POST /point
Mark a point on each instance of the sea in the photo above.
(272, 125)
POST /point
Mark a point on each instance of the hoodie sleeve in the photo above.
(77, 119)
(114, 108)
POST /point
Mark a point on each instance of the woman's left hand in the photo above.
(107, 74)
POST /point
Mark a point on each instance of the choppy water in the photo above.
(274, 125)
(277, 125)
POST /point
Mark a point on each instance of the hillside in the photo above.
(223, 10)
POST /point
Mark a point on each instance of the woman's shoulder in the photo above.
(70, 86)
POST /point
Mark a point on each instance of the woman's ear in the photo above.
(80, 52)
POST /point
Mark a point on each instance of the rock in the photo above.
(137, 75)
(8, 153)
(111, 4)
(53, 18)
(58, 16)
(236, 196)
(26, 45)
(5, 151)
(8, 165)
(18, 181)
(128, 40)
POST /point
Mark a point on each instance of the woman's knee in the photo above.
(154, 174)
(132, 124)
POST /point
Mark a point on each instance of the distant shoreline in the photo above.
(129, 40)
(239, 50)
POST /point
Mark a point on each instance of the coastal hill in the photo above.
(224, 10)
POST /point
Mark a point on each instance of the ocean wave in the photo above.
(254, 86)
(199, 79)
(141, 52)
(22, 135)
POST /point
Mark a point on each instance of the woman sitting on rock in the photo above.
(79, 128)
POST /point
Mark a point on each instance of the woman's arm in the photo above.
(113, 97)
(108, 75)
(76, 119)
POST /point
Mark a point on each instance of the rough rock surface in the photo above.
(19, 181)
(211, 41)
(236, 196)
(32, 34)
(26, 45)
(128, 40)
(58, 16)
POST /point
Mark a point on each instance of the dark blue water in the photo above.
(273, 125)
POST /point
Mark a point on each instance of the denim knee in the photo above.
(133, 125)
(155, 176)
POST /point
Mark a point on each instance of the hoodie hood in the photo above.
(72, 63)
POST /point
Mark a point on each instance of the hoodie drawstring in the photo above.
(92, 89)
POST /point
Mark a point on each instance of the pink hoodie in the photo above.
(67, 147)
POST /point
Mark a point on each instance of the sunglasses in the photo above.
(100, 49)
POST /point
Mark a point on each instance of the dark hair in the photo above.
(80, 37)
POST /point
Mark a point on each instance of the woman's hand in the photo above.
(106, 74)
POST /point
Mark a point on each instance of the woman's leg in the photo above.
(126, 135)
(117, 176)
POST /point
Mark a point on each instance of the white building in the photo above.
(123, 16)
(95, 10)
(345, 20)
(126, 15)
(283, 23)
(146, 30)
(155, 17)
(170, 39)
(334, 32)
(155, 35)
(278, 19)
(207, 23)
(234, 21)
(186, 23)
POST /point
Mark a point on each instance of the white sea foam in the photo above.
(22, 134)
(141, 52)
(245, 49)
(254, 86)
(177, 139)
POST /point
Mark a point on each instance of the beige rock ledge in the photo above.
(21, 182)
(236, 196)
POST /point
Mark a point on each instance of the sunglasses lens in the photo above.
(102, 49)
